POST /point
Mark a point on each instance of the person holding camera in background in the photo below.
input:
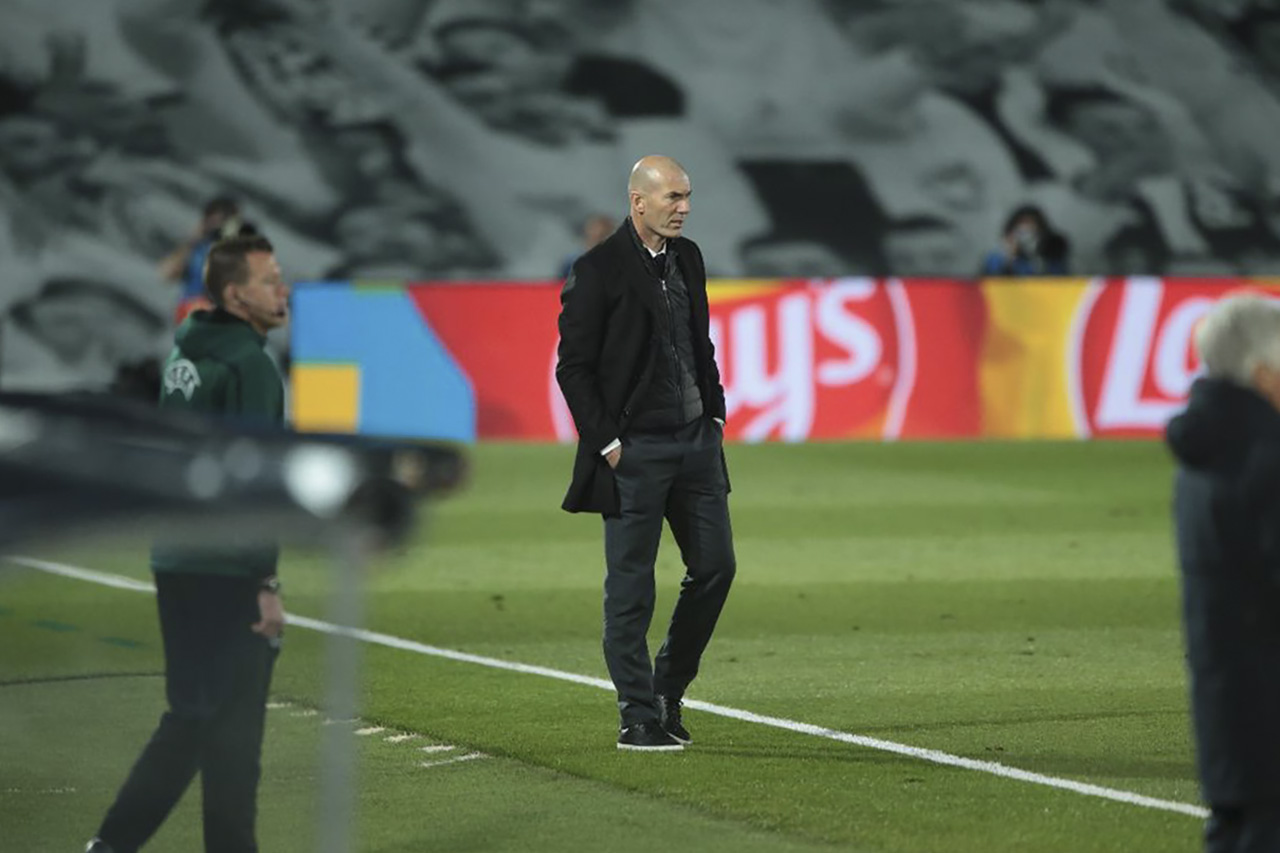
(1030, 247)
(185, 264)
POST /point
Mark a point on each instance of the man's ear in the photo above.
(1266, 382)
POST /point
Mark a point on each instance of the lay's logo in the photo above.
(822, 358)
(1133, 358)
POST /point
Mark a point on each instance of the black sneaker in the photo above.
(647, 737)
(669, 718)
(97, 845)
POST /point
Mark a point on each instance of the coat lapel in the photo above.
(636, 274)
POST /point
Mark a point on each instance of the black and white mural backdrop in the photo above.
(483, 139)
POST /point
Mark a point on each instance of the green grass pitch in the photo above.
(1007, 602)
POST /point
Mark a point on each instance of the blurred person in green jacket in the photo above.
(221, 617)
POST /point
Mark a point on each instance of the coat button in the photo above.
(626, 412)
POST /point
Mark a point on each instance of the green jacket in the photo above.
(219, 366)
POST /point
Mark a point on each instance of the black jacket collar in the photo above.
(1222, 424)
(669, 246)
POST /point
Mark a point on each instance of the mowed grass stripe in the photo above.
(1002, 601)
(929, 755)
(64, 754)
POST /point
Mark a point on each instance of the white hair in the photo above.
(1237, 335)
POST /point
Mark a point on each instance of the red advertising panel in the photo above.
(873, 359)
(848, 358)
(504, 337)
(800, 360)
(1134, 354)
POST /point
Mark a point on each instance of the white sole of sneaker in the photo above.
(632, 748)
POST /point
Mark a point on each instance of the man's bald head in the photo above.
(649, 172)
(659, 190)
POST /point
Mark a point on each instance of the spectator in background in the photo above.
(1028, 247)
(597, 227)
(185, 264)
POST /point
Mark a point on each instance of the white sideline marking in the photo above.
(371, 730)
(930, 755)
(437, 747)
(102, 578)
(400, 738)
(470, 756)
(278, 706)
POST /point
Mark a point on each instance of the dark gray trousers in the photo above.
(678, 476)
(217, 676)
(1244, 829)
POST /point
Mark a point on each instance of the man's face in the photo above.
(664, 209)
(925, 252)
(1267, 382)
(1027, 223)
(263, 297)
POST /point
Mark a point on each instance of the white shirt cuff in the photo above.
(719, 421)
(611, 446)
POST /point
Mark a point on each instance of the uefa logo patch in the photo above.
(181, 375)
